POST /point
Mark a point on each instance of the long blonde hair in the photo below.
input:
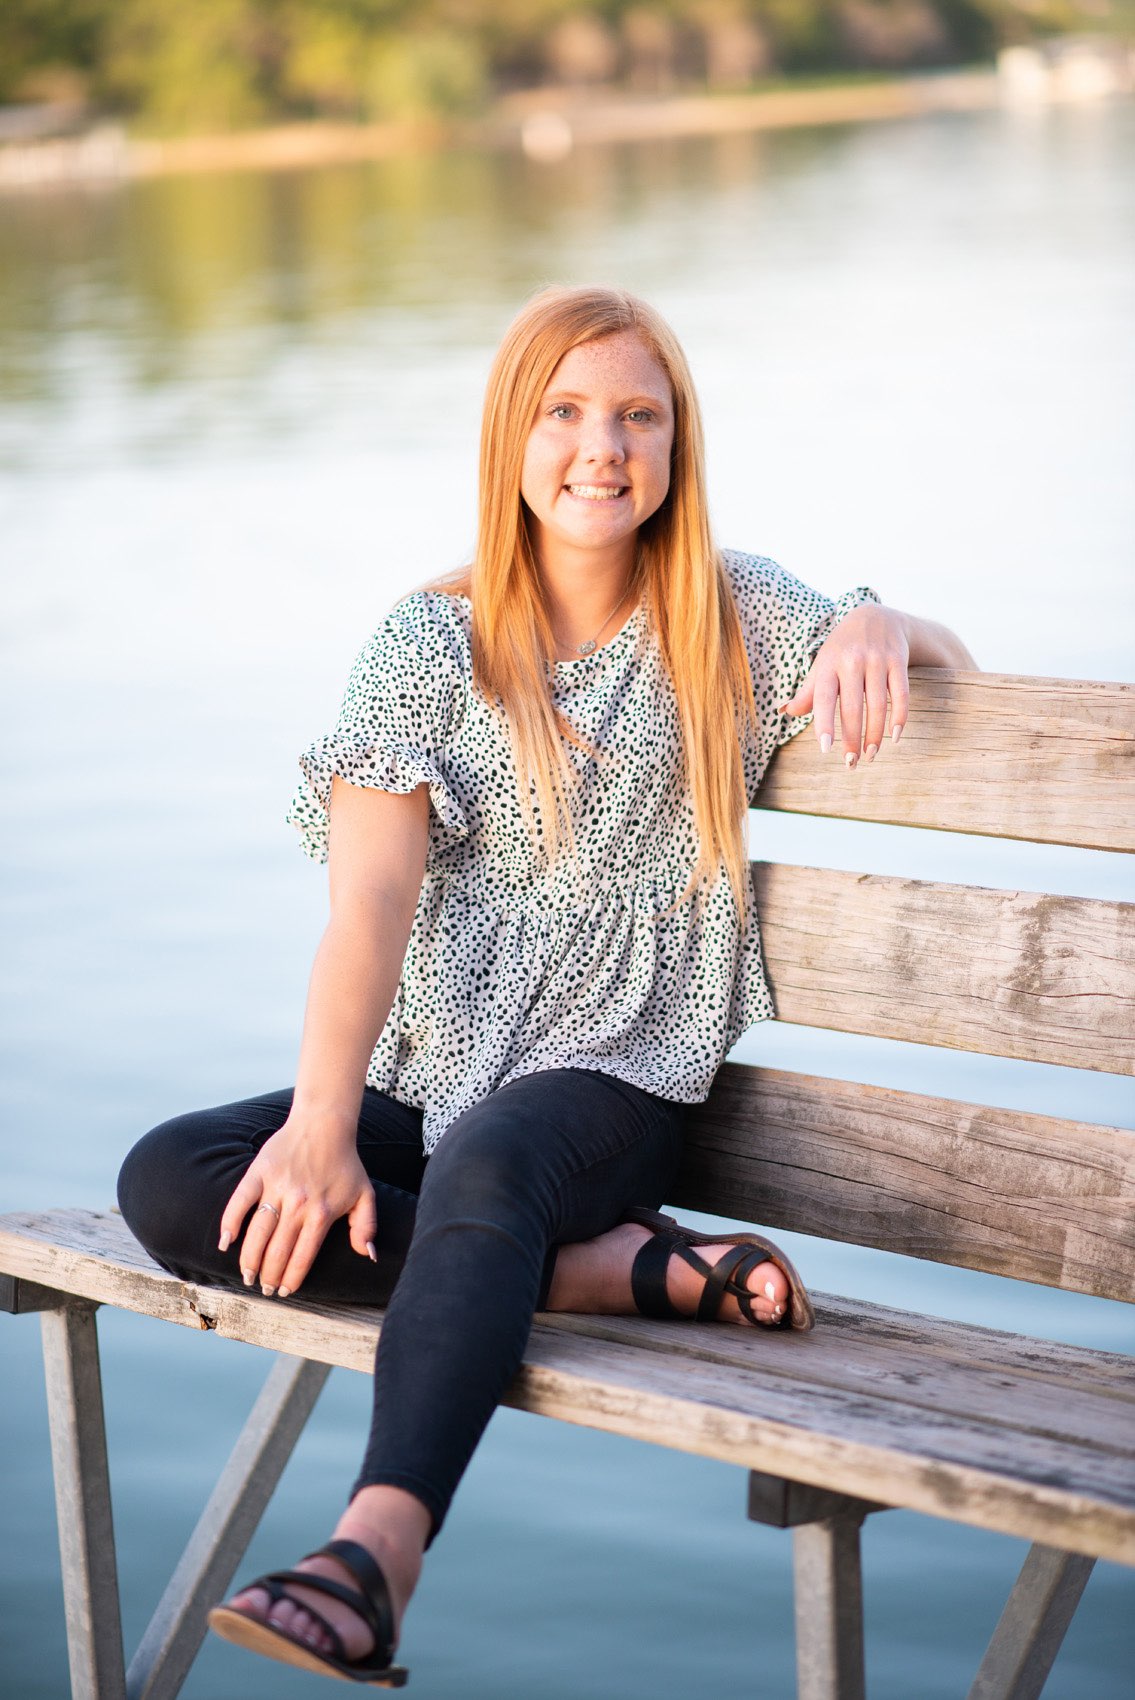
(678, 574)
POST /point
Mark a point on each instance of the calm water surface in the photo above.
(237, 418)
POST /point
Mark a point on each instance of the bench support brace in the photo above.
(224, 1529)
(1032, 1626)
(828, 1581)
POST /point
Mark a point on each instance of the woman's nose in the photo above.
(603, 441)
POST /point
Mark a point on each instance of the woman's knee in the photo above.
(158, 1192)
(487, 1169)
(176, 1181)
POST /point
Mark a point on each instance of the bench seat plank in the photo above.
(1042, 759)
(921, 1363)
(969, 1424)
(1003, 973)
(1012, 1193)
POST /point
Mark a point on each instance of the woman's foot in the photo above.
(593, 1277)
(393, 1527)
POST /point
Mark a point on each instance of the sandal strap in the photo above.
(273, 1586)
(725, 1276)
(372, 1602)
(644, 1218)
(648, 1276)
(737, 1283)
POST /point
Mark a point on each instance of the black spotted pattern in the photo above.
(511, 969)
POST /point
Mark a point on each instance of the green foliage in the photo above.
(42, 36)
(416, 74)
(185, 65)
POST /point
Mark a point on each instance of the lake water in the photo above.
(238, 418)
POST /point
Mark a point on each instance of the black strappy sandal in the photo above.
(371, 1603)
(648, 1273)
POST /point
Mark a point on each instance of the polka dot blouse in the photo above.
(510, 968)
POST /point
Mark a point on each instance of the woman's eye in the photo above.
(640, 416)
(562, 410)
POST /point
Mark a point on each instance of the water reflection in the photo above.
(157, 269)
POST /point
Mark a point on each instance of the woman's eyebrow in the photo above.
(629, 401)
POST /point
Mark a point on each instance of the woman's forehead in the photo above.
(621, 361)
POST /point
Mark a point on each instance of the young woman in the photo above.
(541, 942)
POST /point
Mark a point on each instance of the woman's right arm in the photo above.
(310, 1170)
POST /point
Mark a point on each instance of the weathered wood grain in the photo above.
(1005, 973)
(968, 1426)
(1051, 760)
(1029, 1196)
(962, 1469)
(921, 1364)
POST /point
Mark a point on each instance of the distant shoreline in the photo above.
(548, 124)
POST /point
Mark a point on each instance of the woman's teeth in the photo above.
(597, 492)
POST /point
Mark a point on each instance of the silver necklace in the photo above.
(589, 645)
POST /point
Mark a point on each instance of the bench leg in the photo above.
(1032, 1626)
(829, 1609)
(828, 1581)
(82, 1501)
(224, 1529)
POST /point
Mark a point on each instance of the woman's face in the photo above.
(597, 461)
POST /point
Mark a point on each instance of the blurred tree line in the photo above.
(226, 64)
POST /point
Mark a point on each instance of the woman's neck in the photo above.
(587, 604)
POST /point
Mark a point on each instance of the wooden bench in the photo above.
(877, 1408)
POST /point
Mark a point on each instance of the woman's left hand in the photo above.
(861, 666)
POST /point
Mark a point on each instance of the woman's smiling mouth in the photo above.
(597, 492)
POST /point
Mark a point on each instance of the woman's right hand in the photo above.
(309, 1179)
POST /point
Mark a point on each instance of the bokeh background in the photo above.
(238, 416)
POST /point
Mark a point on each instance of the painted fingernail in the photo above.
(371, 1253)
(870, 752)
(850, 760)
(770, 1290)
(267, 1291)
(248, 1276)
(225, 1241)
(896, 733)
(825, 742)
(778, 1310)
(284, 1293)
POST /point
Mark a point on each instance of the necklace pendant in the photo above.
(586, 648)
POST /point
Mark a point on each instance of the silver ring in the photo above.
(270, 1207)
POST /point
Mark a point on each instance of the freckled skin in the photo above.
(605, 419)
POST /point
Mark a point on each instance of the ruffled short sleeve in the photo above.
(394, 728)
(784, 623)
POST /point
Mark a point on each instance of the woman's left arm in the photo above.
(863, 664)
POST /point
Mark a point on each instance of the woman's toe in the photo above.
(254, 1600)
(283, 1615)
(291, 1619)
(767, 1282)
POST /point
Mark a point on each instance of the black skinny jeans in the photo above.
(466, 1238)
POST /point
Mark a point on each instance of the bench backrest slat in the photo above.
(1052, 760)
(1004, 973)
(1029, 1196)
